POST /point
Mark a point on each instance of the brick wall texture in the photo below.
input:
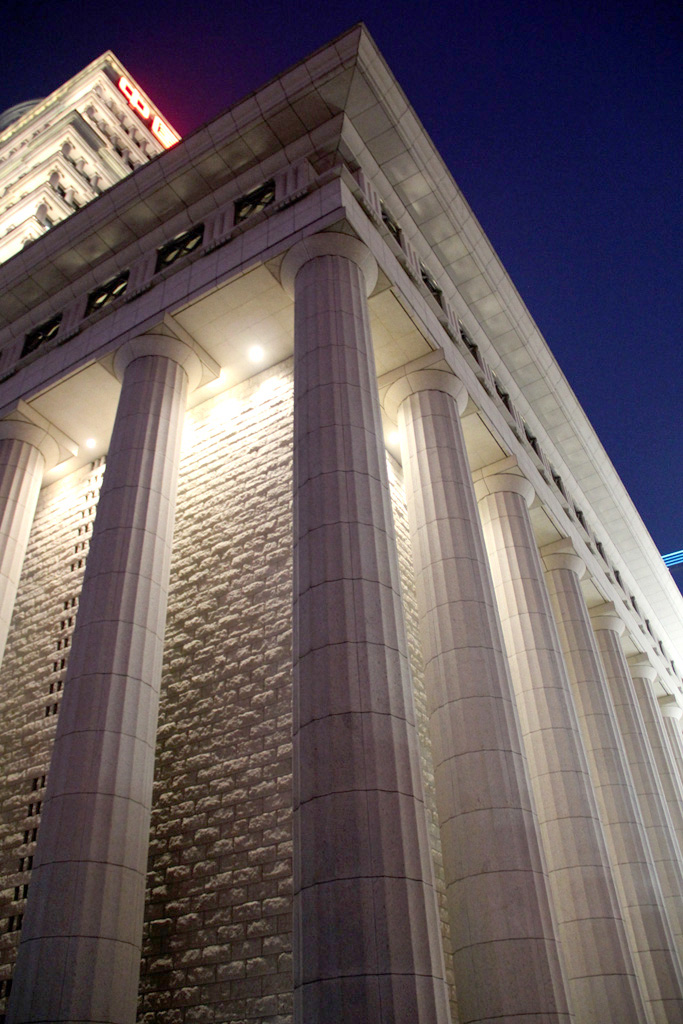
(217, 936)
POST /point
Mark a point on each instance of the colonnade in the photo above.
(557, 773)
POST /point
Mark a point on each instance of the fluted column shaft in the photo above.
(505, 955)
(655, 814)
(644, 675)
(671, 714)
(640, 896)
(26, 451)
(367, 937)
(598, 965)
(80, 950)
(21, 473)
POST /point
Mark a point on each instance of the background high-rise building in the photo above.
(464, 802)
(60, 153)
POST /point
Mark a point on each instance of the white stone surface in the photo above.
(505, 953)
(597, 961)
(644, 674)
(29, 445)
(655, 813)
(367, 940)
(21, 474)
(80, 951)
(640, 896)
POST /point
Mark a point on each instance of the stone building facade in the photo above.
(340, 675)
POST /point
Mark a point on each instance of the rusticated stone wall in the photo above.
(218, 926)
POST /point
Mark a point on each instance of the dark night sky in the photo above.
(561, 122)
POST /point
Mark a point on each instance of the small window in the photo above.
(531, 438)
(431, 284)
(502, 393)
(391, 224)
(558, 482)
(471, 347)
(107, 293)
(181, 245)
(40, 335)
(254, 201)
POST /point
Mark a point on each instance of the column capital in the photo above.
(485, 484)
(25, 424)
(641, 667)
(429, 373)
(670, 708)
(562, 555)
(328, 243)
(605, 616)
(197, 364)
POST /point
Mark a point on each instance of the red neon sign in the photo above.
(159, 129)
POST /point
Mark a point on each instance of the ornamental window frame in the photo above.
(254, 202)
(181, 245)
(112, 289)
(39, 336)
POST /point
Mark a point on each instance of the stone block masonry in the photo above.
(217, 943)
(33, 671)
(218, 931)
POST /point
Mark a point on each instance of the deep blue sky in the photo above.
(560, 121)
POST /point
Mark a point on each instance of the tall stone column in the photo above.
(79, 957)
(505, 954)
(672, 713)
(640, 896)
(601, 976)
(367, 936)
(644, 674)
(28, 447)
(608, 627)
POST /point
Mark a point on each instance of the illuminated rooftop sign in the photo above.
(159, 129)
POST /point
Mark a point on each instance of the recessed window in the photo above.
(254, 201)
(391, 224)
(531, 438)
(40, 335)
(558, 482)
(181, 245)
(107, 293)
(469, 344)
(431, 284)
(502, 394)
